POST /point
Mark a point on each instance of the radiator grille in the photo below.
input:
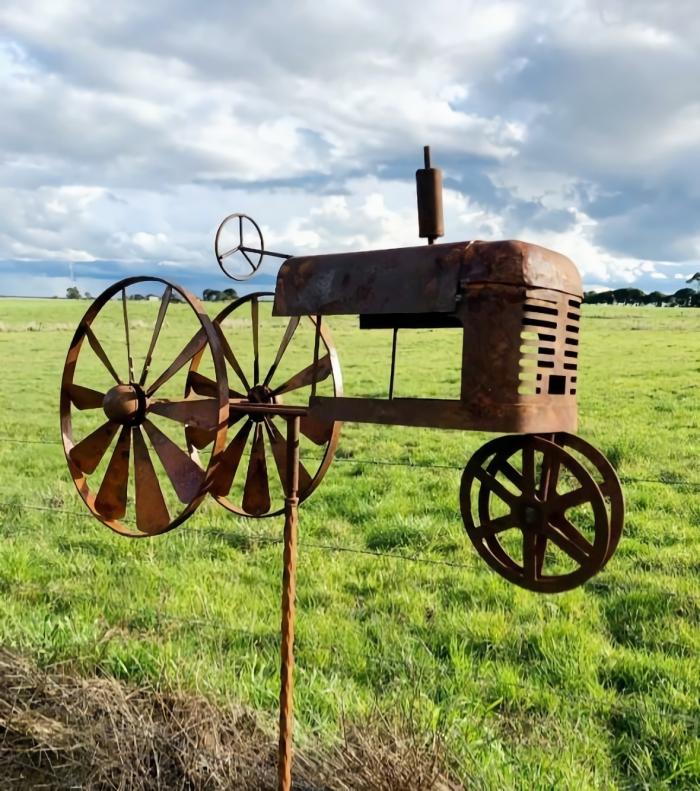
(549, 344)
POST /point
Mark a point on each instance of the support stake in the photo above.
(393, 363)
(284, 758)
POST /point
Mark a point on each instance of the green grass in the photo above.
(595, 688)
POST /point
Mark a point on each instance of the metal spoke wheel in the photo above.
(535, 514)
(604, 475)
(269, 362)
(240, 240)
(150, 482)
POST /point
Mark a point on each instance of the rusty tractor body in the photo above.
(541, 506)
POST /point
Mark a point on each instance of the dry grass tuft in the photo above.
(59, 731)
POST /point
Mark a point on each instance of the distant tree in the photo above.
(684, 297)
(72, 293)
(87, 295)
(600, 298)
(212, 295)
(656, 298)
(629, 296)
(136, 296)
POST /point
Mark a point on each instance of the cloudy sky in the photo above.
(129, 129)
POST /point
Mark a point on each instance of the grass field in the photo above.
(595, 688)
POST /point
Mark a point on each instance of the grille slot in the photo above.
(549, 344)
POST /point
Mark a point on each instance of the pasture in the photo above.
(595, 688)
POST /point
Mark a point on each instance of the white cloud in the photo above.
(129, 130)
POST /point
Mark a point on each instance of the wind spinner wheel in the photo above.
(270, 361)
(123, 427)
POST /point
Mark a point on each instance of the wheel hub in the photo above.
(125, 404)
(532, 516)
(260, 394)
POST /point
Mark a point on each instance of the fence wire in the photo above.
(404, 464)
(595, 587)
(263, 539)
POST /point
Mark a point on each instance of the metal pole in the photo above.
(393, 363)
(317, 340)
(291, 503)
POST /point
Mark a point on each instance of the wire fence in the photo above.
(260, 538)
(401, 557)
(595, 587)
(266, 539)
(666, 481)
(492, 684)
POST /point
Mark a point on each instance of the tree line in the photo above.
(208, 295)
(683, 298)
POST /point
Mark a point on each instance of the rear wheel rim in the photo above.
(133, 410)
(256, 447)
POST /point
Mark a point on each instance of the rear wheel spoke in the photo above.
(111, 497)
(196, 344)
(88, 453)
(152, 514)
(84, 397)
(305, 377)
(162, 310)
(254, 318)
(204, 386)
(230, 460)
(318, 431)
(256, 492)
(278, 443)
(200, 412)
(101, 354)
(185, 475)
(232, 359)
(286, 339)
(130, 359)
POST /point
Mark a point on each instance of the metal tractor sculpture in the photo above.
(541, 506)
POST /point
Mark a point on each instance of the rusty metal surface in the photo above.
(606, 478)
(431, 224)
(518, 307)
(402, 280)
(519, 344)
(426, 279)
(289, 577)
(528, 416)
(262, 403)
(520, 475)
(126, 406)
(518, 263)
(250, 255)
